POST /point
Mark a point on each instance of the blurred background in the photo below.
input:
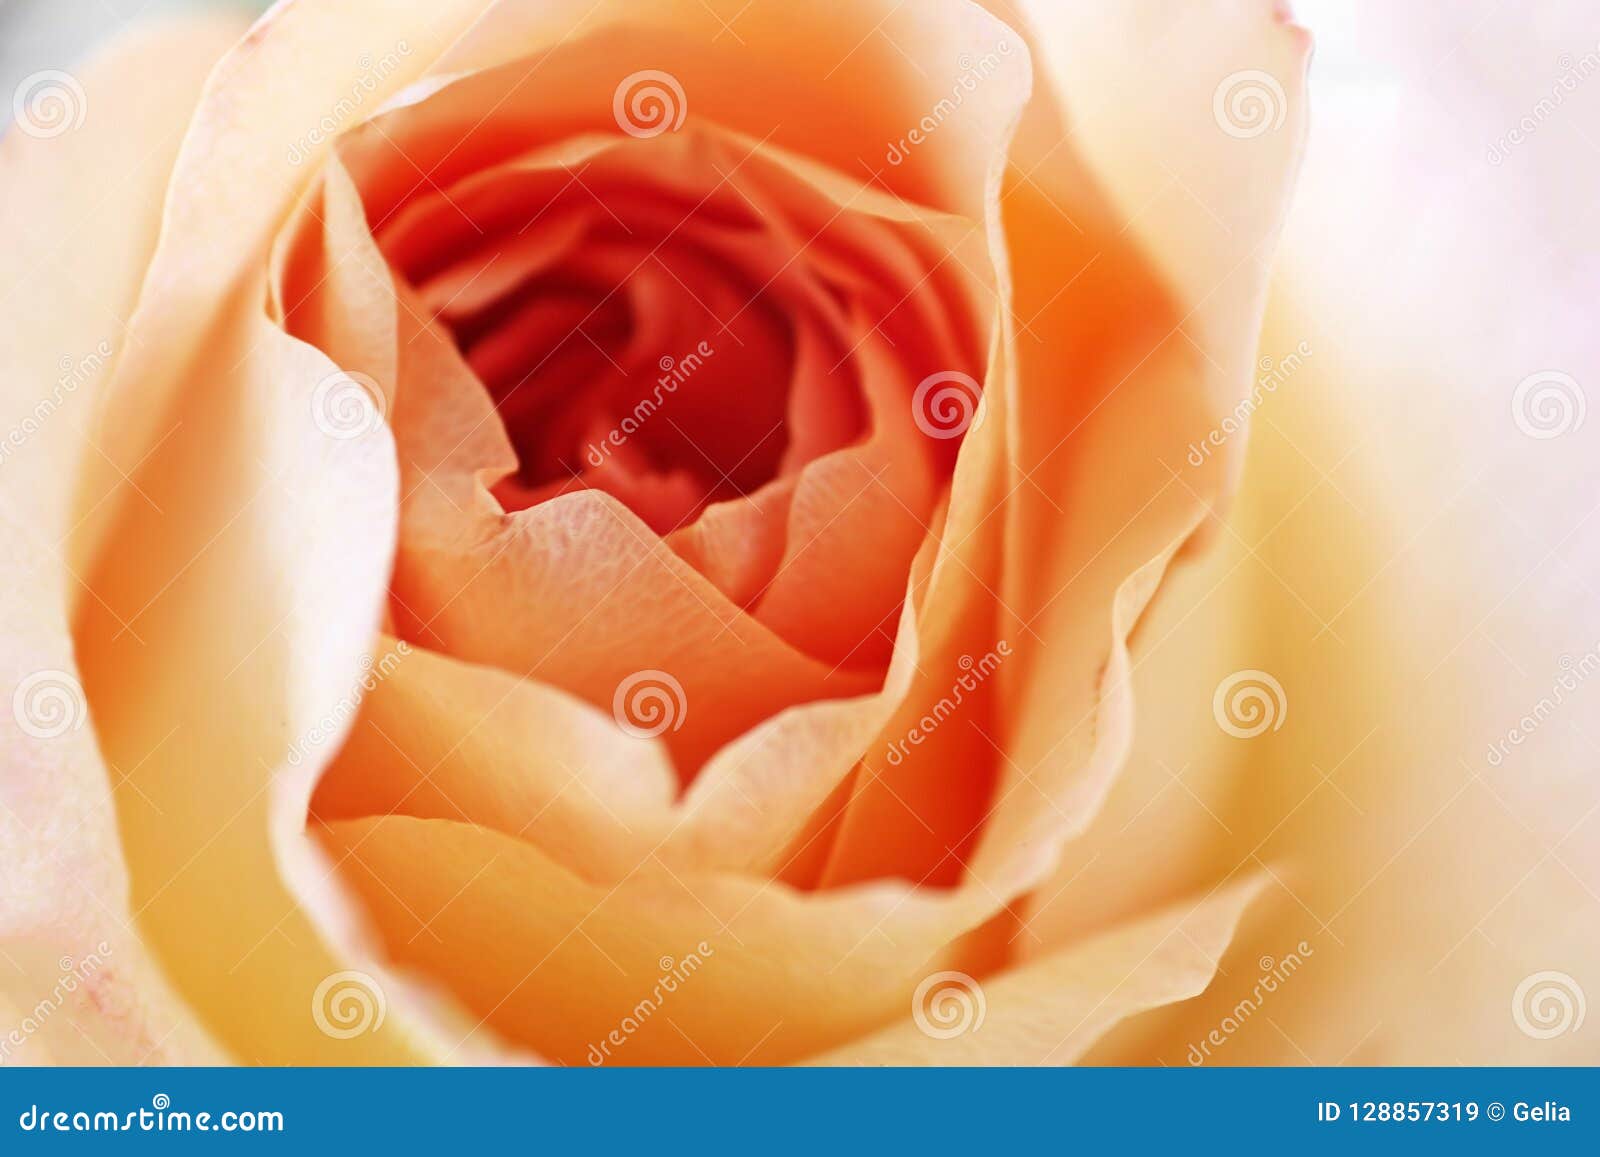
(40, 34)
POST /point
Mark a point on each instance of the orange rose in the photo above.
(609, 533)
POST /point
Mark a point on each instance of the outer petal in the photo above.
(1053, 1010)
(1136, 313)
(239, 573)
(1412, 562)
(79, 213)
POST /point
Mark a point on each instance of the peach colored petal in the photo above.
(169, 643)
(739, 544)
(1148, 388)
(441, 739)
(78, 218)
(792, 76)
(792, 763)
(482, 717)
(1051, 1011)
(838, 601)
(577, 591)
(514, 935)
(1109, 320)
(211, 699)
(248, 154)
(841, 229)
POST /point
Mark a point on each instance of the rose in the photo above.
(613, 722)
(197, 534)
(204, 528)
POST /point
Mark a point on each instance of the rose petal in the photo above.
(1157, 373)
(1052, 1010)
(87, 200)
(167, 643)
(514, 935)
(1413, 566)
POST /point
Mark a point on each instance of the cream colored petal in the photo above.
(79, 211)
(1429, 803)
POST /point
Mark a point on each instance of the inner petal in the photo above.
(670, 351)
(724, 344)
